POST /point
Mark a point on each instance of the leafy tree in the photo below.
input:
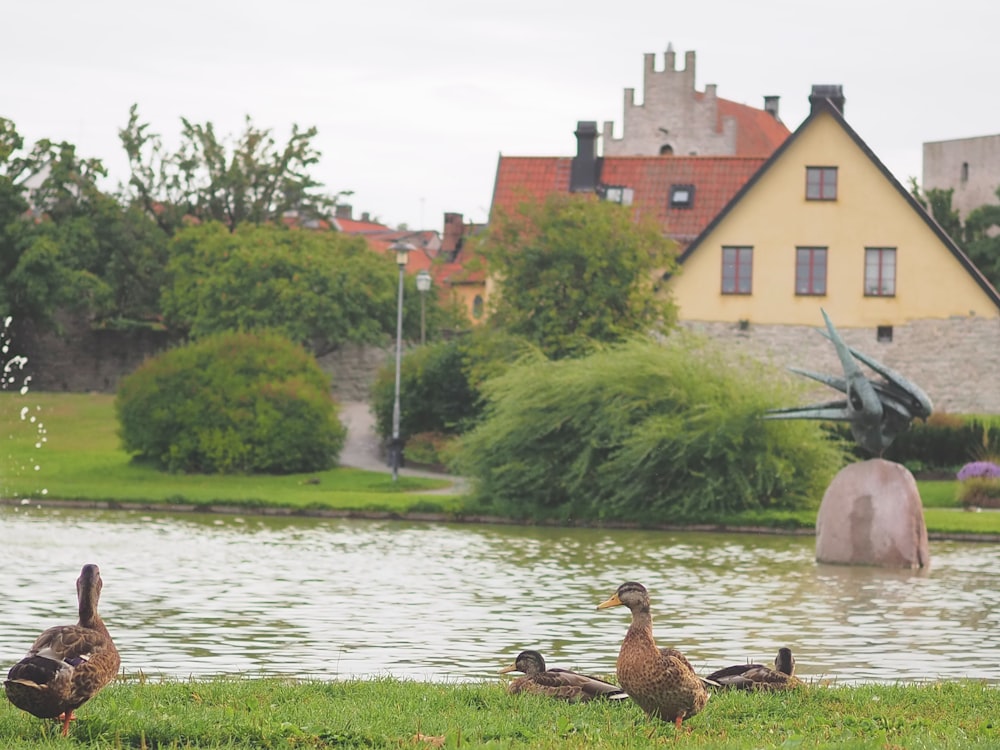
(231, 403)
(939, 203)
(253, 179)
(573, 271)
(643, 432)
(320, 289)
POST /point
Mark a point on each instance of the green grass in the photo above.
(80, 459)
(391, 713)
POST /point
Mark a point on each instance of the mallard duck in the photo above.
(558, 683)
(759, 676)
(68, 664)
(660, 680)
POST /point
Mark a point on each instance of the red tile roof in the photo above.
(715, 179)
(758, 132)
(353, 226)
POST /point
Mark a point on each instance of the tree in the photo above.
(252, 180)
(320, 289)
(573, 271)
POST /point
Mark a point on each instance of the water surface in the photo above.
(201, 594)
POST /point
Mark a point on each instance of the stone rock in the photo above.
(871, 514)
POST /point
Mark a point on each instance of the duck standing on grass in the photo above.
(558, 683)
(759, 676)
(68, 664)
(661, 680)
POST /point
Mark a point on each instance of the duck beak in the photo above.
(614, 601)
(508, 668)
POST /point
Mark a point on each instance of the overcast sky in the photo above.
(416, 99)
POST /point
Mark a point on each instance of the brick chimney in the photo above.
(454, 229)
(583, 172)
(344, 211)
(771, 106)
(832, 92)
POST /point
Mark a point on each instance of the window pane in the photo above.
(737, 267)
(880, 271)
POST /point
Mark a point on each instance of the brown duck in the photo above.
(558, 683)
(759, 676)
(68, 664)
(660, 680)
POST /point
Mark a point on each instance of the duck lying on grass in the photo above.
(558, 683)
(660, 680)
(68, 664)
(759, 676)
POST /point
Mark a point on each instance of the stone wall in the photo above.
(955, 361)
(85, 360)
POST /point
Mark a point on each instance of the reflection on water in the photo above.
(202, 594)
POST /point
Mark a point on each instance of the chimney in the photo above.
(454, 229)
(833, 92)
(364, 216)
(344, 211)
(771, 106)
(583, 173)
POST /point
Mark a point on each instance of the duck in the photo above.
(661, 680)
(67, 665)
(759, 676)
(558, 683)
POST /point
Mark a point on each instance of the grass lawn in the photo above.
(73, 442)
(390, 713)
(65, 446)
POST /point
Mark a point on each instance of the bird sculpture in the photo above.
(760, 677)
(877, 410)
(558, 683)
(660, 680)
(68, 664)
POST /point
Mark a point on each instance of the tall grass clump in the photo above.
(231, 403)
(645, 431)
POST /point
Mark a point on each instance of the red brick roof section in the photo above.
(716, 179)
(758, 133)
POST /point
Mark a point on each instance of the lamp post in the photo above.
(402, 250)
(423, 286)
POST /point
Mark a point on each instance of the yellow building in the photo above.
(823, 223)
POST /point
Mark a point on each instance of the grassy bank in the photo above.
(389, 713)
(72, 440)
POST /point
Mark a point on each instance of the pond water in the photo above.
(201, 594)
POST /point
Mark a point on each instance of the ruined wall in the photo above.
(969, 166)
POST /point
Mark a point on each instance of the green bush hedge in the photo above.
(644, 432)
(231, 403)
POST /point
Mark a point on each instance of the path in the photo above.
(362, 449)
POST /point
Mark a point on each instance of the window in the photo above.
(681, 196)
(810, 270)
(477, 307)
(618, 194)
(965, 171)
(821, 183)
(880, 272)
(737, 265)
(883, 334)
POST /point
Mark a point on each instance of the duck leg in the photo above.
(66, 717)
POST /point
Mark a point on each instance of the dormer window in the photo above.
(681, 196)
(619, 194)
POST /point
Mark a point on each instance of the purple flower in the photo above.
(979, 470)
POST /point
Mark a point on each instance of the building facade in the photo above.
(968, 166)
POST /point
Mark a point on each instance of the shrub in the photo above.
(233, 402)
(649, 432)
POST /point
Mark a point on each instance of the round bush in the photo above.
(231, 403)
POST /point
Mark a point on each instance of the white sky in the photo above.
(415, 99)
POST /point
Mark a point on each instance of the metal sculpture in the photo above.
(877, 410)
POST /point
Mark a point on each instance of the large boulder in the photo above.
(871, 514)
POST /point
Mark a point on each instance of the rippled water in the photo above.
(195, 595)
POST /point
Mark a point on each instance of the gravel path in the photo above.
(362, 450)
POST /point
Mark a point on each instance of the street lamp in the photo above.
(402, 250)
(423, 286)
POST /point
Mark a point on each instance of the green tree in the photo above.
(938, 203)
(643, 432)
(573, 271)
(211, 178)
(982, 233)
(320, 289)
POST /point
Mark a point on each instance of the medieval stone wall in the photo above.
(955, 361)
(83, 360)
(969, 166)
